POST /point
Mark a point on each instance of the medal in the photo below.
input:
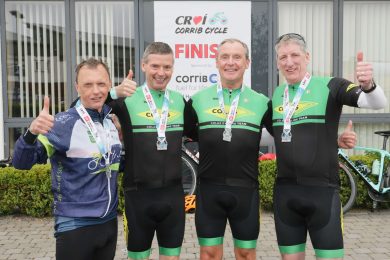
(286, 136)
(162, 143)
(227, 134)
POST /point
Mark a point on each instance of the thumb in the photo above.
(349, 126)
(130, 75)
(359, 56)
(46, 104)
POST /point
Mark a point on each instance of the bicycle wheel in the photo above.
(189, 171)
(348, 188)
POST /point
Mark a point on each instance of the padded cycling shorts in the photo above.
(215, 204)
(299, 209)
(88, 242)
(159, 210)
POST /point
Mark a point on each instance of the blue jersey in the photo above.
(80, 185)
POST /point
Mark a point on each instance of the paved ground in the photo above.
(367, 236)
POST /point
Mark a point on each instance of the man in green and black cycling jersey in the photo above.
(152, 127)
(229, 118)
(305, 117)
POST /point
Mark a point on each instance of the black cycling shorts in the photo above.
(215, 204)
(299, 209)
(159, 210)
(89, 242)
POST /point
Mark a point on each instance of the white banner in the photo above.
(194, 29)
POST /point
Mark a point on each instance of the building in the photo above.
(42, 41)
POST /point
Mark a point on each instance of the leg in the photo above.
(170, 227)
(290, 212)
(296, 256)
(244, 221)
(85, 242)
(325, 227)
(107, 250)
(140, 225)
(210, 220)
(245, 254)
(211, 252)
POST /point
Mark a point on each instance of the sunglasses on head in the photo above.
(291, 36)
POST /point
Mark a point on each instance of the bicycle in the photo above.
(190, 161)
(378, 187)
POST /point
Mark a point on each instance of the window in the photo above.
(36, 64)
(366, 28)
(314, 21)
(106, 31)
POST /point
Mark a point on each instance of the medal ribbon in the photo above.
(233, 107)
(160, 121)
(288, 110)
(105, 149)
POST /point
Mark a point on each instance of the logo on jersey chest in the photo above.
(302, 106)
(216, 111)
(172, 114)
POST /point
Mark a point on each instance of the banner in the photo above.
(194, 29)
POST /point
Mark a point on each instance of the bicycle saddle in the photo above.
(383, 133)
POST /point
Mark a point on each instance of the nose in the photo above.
(230, 60)
(289, 60)
(160, 71)
(95, 88)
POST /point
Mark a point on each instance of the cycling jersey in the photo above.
(230, 163)
(80, 185)
(311, 156)
(145, 166)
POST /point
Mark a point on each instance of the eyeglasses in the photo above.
(288, 36)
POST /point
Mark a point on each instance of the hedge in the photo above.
(29, 192)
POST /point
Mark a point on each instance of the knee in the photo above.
(243, 253)
(211, 252)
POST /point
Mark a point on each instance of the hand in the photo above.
(127, 87)
(44, 122)
(347, 140)
(363, 72)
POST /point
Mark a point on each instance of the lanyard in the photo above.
(288, 110)
(227, 133)
(105, 149)
(159, 120)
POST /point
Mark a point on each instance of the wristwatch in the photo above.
(373, 87)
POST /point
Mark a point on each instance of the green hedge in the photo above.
(29, 192)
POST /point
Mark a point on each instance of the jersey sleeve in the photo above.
(26, 153)
(267, 119)
(190, 121)
(344, 91)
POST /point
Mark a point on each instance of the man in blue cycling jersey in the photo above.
(83, 146)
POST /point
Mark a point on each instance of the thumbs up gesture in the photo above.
(364, 72)
(44, 122)
(347, 139)
(127, 87)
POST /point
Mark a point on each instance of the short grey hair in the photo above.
(156, 48)
(233, 40)
(291, 37)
